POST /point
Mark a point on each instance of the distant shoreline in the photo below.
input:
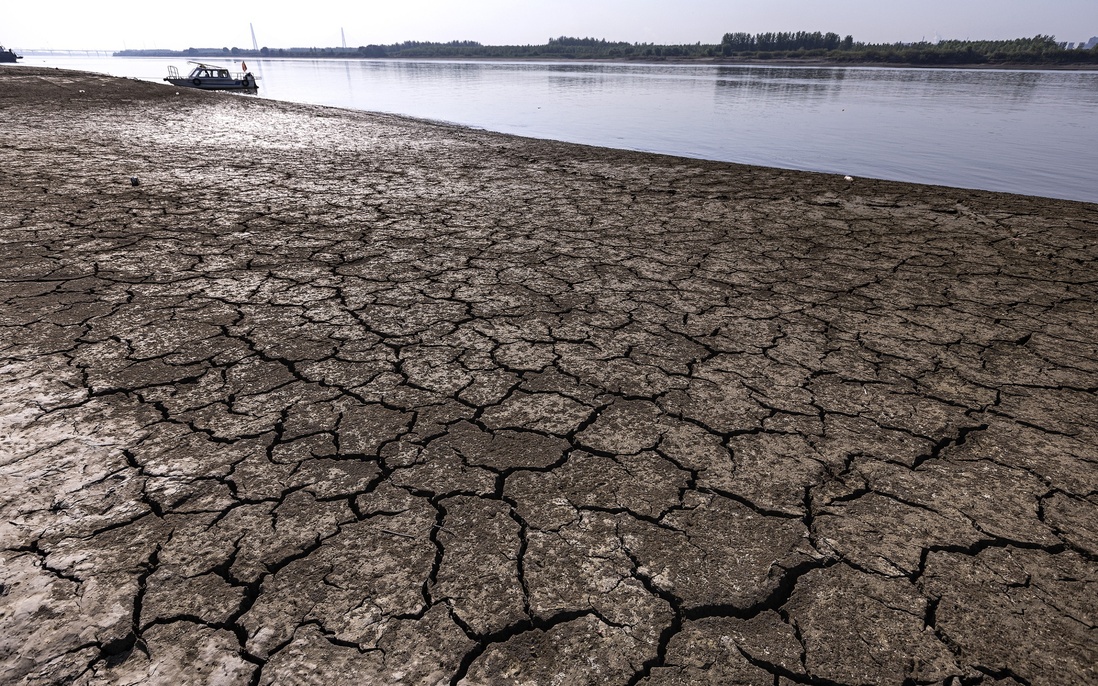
(736, 62)
(715, 61)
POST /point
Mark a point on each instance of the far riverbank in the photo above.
(743, 62)
(800, 45)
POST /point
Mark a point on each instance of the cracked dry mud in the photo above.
(334, 397)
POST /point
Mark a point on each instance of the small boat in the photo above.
(8, 55)
(209, 77)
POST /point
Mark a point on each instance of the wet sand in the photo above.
(339, 397)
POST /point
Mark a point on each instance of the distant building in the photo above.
(1090, 43)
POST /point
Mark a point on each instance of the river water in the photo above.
(1030, 132)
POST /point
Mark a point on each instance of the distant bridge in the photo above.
(66, 53)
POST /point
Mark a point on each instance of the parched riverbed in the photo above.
(338, 397)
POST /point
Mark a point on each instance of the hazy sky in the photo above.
(114, 24)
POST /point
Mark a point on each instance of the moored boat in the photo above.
(8, 55)
(213, 78)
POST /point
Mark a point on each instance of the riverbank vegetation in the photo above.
(800, 45)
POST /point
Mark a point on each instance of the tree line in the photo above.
(1037, 50)
(773, 42)
(827, 47)
(563, 47)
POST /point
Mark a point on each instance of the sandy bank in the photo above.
(331, 396)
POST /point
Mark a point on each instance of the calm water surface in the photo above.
(1030, 132)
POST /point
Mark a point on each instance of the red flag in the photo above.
(243, 66)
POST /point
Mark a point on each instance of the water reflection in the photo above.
(755, 86)
(953, 87)
(782, 73)
(1019, 131)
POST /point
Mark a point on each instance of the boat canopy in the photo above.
(210, 72)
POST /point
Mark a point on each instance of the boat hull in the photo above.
(9, 57)
(247, 84)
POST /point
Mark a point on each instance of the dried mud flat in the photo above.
(332, 397)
